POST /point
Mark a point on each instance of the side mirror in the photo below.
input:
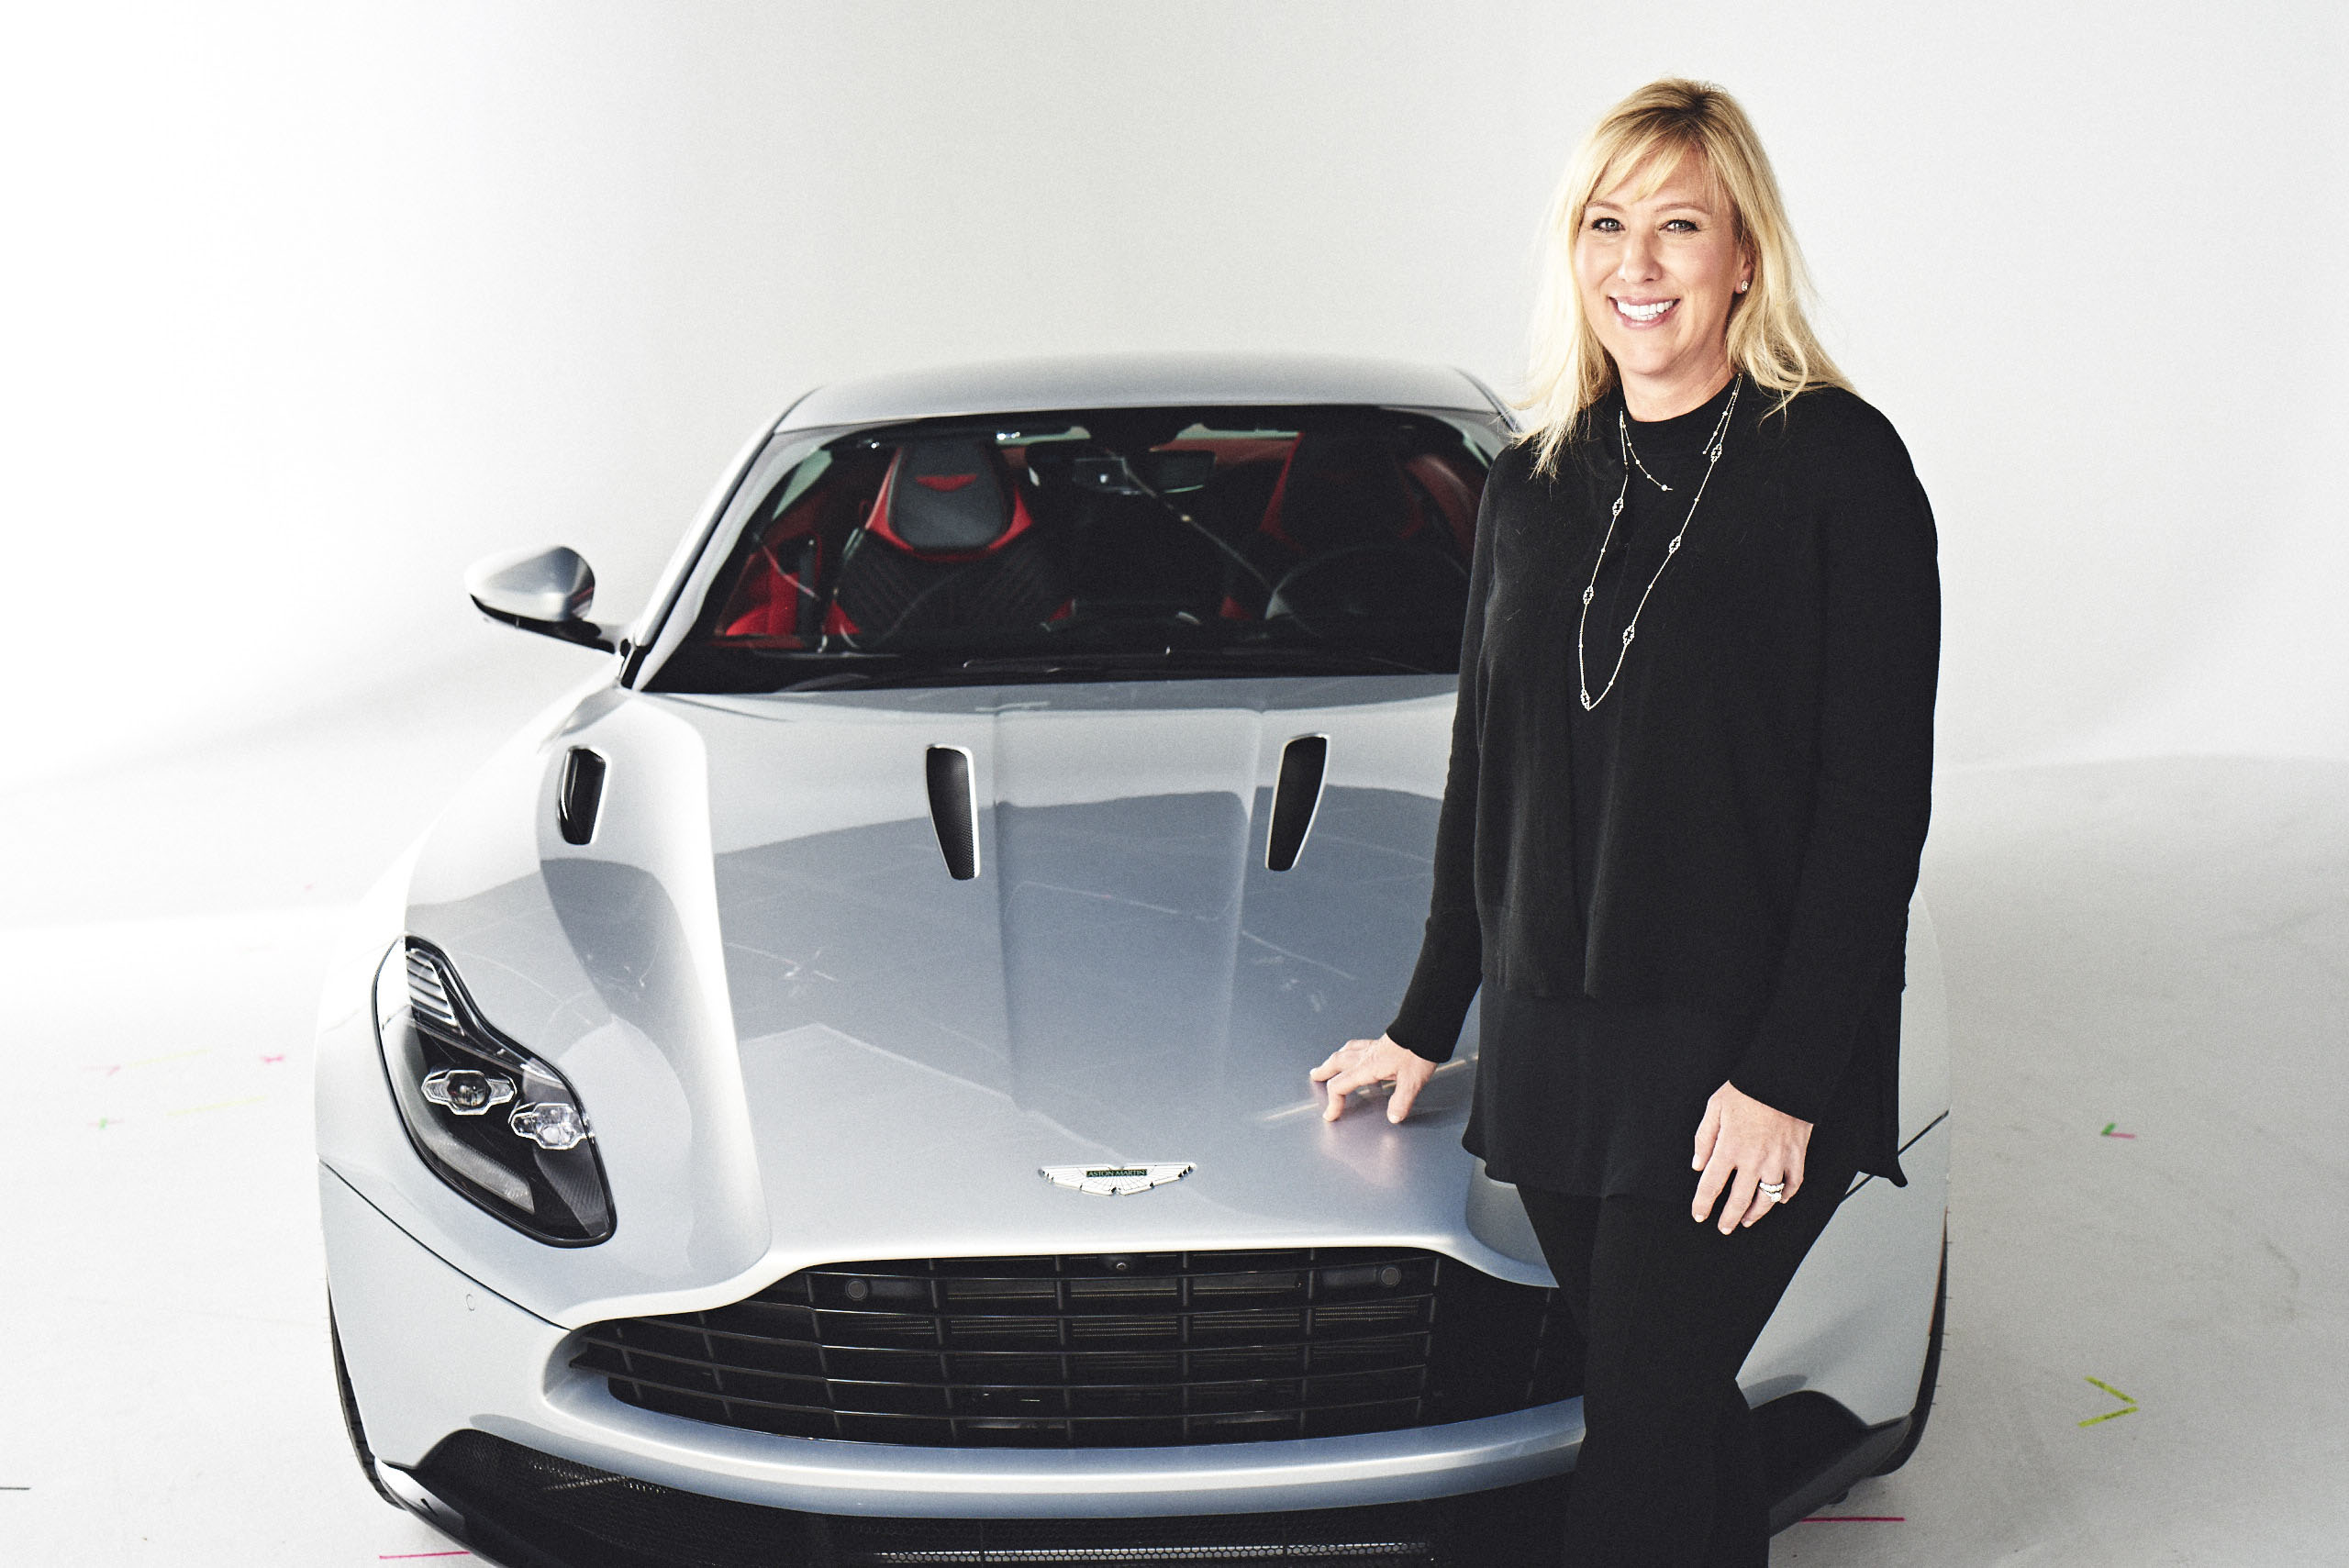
(545, 591)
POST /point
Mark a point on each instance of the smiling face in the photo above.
(1658, 275)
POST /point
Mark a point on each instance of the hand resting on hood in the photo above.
(1361, 1064)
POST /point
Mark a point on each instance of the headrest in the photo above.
(1340, 488)
(946, 497)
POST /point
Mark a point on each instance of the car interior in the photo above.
(1352, 526)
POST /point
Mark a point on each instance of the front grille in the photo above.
(524, 1507)
(1096, 1350)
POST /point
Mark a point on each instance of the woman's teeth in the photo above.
(1644, 312)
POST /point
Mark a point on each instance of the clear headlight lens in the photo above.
(489, 1118)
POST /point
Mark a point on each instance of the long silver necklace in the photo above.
(1634, 453)
(1712, 450)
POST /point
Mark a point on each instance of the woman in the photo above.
(1690, 783)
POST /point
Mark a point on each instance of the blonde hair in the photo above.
(1769, 338)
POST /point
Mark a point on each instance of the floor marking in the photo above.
(2131, 1404)
(2107, 1131)
(152, 1061)
(222, 1106)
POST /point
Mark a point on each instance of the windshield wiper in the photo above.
(1236, 659)
(1296, 656)
(1277, 658)
(1066, 659)
(905, 670)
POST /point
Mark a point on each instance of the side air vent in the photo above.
(581, 796)
(954, 810)
(428, 994)
(1295, 797)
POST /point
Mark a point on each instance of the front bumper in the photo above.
(526, 1510)
(431, 1352)
(481, 1427)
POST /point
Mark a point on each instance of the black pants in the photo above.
(1670, 1474)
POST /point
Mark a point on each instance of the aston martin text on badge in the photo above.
(1115, 1181)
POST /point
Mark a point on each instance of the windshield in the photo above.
(1098, 545)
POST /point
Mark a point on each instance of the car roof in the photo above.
(1138, 381)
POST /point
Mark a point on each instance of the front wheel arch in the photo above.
(1924, 1406)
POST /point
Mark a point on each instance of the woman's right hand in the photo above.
(1359, 1063)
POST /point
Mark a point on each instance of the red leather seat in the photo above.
(949, 545)
(1338, 490)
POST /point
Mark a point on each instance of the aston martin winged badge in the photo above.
(1115, 1181)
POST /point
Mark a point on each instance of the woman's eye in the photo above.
(1606, 224)
(1685, 226)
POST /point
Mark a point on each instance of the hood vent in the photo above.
(954, 810)
(1295, 797)
(580, 796)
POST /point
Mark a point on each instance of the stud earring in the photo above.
(1741, 288)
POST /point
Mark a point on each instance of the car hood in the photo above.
(801, 1040)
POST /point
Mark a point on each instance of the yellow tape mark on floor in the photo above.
(2111, 1415)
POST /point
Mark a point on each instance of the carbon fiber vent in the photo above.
(1296, 798)
(954, 809)
(580, 796)
(1092, 1351)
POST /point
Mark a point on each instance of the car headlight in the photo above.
(489, 1118)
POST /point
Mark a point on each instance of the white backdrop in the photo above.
(304, 305)
(308, 305)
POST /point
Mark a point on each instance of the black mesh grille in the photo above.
(533, 1510)
(1092, 1352)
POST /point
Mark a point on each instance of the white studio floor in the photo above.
(2160, 947)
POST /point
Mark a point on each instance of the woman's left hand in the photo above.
(1740, 1144)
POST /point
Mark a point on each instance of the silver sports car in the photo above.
(833, 1091)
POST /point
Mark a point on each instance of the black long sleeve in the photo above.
(1771, 788)
(1873, 790)
(1451, 961)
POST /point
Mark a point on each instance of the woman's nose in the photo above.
(1636, 263)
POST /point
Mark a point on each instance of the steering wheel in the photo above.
(1391, 582)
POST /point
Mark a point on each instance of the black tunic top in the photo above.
(1706, 877)
(1573, 1094)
